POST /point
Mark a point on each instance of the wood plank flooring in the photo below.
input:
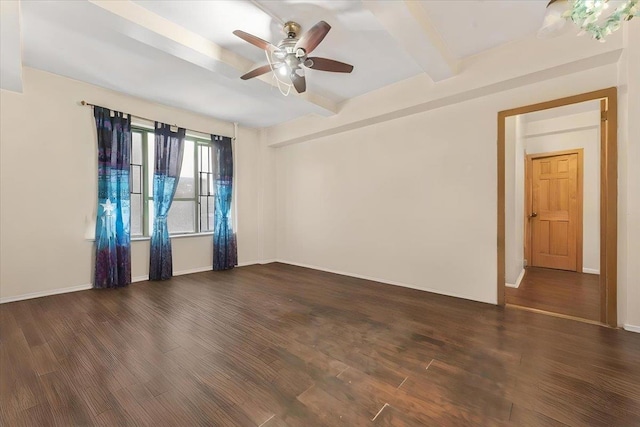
(564, 292)
(278, 345)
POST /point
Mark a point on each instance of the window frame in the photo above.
(148, 137)
(143, 182)
(210, 181)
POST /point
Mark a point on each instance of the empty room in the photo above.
(319, 213)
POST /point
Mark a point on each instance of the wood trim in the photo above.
(528, 189)
(608, 193)
(603, 213)
(551, 313)
(578, 151)
(609, 207)
(502, 275)
(580, 222)
(561, 102)
(528, 200)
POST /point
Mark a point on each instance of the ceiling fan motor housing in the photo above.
(292, 29)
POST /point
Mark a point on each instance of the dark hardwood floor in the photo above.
(278, 345)
(563, 292)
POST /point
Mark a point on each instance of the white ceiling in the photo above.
(470, 27)
(183, 53)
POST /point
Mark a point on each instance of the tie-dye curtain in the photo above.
(113, 240)
(168, 162)
(225, 253)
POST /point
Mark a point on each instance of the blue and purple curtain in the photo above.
(113, 239)
(225, 252)
(169, 147)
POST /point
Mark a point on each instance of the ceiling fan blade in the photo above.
(256, 41)
(312, 38)
(299, 82)
(257, 72)
(325, 64)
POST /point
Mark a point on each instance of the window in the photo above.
(136, 176)
(192, 207)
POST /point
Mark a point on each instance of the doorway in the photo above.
(557, 207)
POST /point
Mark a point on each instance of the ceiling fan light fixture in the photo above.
(588, 16)
(287, 59)
(291, 61)
(554, 19)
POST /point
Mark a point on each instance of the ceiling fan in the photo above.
(289, 57)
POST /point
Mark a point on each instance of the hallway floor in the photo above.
(564, 292)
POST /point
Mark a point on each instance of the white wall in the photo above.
(514, 200)
(629, 180)
(48, 185)
(513, 225)
(268, 200)
(569, 132)
(632, 193)
(410, 200)
(393, 202)
(511, 264)
(519, 194)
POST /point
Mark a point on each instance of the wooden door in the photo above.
(556, 210)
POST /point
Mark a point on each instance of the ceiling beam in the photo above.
(10, 46)
(151, 29)
(410, 25)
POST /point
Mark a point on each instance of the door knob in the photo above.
(533, 215)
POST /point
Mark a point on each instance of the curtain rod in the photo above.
(235, 127)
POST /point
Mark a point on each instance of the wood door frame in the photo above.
(608, 194)
(528, 201)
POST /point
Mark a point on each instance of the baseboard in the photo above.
(386, 282)
(632, 328)
(90, 286)
(518, 281)
(199, 270)
(247, 263)
(193, 270)
(209, 268)
(46, 293)
(590, 271)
